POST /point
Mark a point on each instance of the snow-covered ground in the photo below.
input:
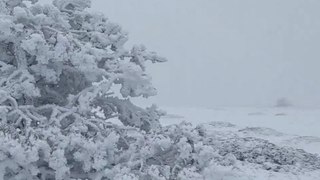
(298, 127)
(295, 121)
(288, 128)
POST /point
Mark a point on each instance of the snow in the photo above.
(296, 128)
(295, 121)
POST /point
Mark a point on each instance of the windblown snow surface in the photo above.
(263, 143)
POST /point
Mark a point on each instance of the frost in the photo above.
(36, 46)
(72, 4)
(5, 25)
(57, 65)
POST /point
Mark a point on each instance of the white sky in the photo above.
(227, 52)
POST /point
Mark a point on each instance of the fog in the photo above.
(226, 52)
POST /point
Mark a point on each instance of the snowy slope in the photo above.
(295, 127)
(246, 131)
(303, 122)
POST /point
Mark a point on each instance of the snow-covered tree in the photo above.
(57, 65)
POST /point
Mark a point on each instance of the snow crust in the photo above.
(253, 136)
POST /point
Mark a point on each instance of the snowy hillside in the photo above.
(299, 121)
(290, 126)
(255, 135)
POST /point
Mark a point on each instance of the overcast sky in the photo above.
(227, 52)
